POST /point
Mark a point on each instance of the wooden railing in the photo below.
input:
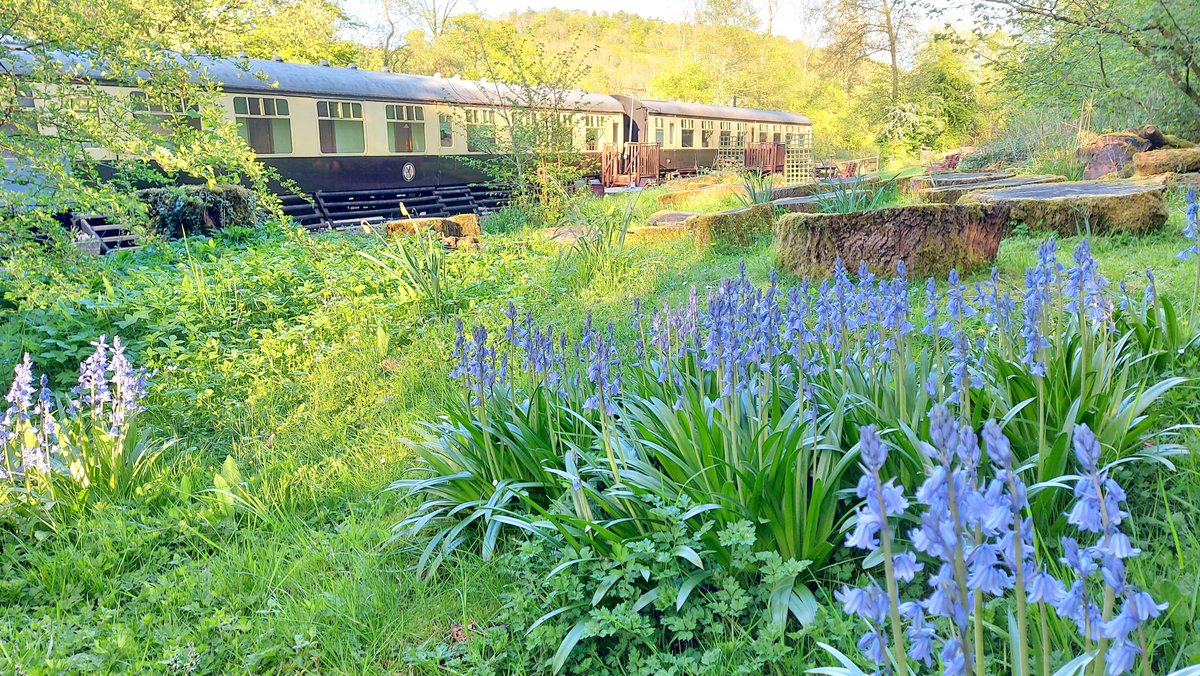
(631, 164)
(767, 158)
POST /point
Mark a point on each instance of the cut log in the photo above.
(656, 233)
(930, 239)
(951, 194)
(1098, 207)
(916, 184)
(1168, 160)
(735, 228)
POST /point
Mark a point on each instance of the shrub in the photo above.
(650, 610)
(197, 210)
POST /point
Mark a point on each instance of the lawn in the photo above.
(292, 361)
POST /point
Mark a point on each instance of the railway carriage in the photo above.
(360, 141)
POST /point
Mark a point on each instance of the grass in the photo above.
(310, 391)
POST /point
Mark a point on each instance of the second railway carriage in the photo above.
(692, 136)
(357, 142)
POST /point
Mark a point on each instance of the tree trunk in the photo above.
(893, 48)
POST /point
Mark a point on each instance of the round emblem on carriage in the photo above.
(409, 171)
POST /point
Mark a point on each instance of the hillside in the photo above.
(626, 53)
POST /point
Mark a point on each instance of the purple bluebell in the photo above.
(1085, 286)
(92, 389)
(1191, 226)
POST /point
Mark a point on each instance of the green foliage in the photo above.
(105, 135)
(757, 188)
(598, 252)
(648, 610)
(416, 264)
(265, 347)
(511, 218)
(1133, 60)
(859, 195)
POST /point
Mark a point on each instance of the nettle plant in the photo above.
(50, 456)
(752, 407)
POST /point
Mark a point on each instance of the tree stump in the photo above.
(1099, 207)
(930, 239)
(951, 194)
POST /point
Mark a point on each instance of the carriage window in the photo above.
(445, 130)
(164, 119)
(481, 130)
(726, 135)
(264, 124)
(706, 133)
(406, 129)
(687, 133)
(741, 134)
(340, 126)
(593, 131)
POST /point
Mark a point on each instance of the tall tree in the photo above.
(861, 29)
(727, 14)
(62, 131)
(1163, 35)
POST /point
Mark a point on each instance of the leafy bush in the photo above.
(859, 195)
(757, 188)
(599, 229)
(197, 210)
(654, 608)
(416, 264)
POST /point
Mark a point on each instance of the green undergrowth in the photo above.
(293, 357)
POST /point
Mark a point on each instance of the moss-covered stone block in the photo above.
(657, 233)
(1099, 207)
(818, 187)
(930, 239)
(712, 192)
(198, 209)
(734, 228)
(916, 184)
(951, 194)
(1167, 160)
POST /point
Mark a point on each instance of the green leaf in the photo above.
(685, 552)
(568, 645)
